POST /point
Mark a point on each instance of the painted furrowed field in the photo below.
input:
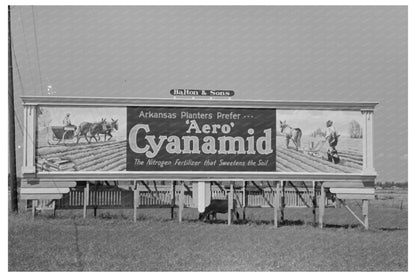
(305, 160)
(97, 156)
(113, 242)
(111, 156)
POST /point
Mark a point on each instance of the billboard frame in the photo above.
(31, 103)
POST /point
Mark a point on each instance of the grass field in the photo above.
(113, 242)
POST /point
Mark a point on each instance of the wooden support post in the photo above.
(365, 213)
(34, 204)
(138, 198)
(314, 202)
(282, 202)
(276, 203)
(322, 206)
(230, 203)
(86, 198)
(172, 200)
(135, 200)
(202, 195)
(244, 200)
(181, 201)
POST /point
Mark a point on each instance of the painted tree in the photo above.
(355, 129)
(318, 133)
(44, 117)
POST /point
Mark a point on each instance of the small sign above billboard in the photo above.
(201, 92)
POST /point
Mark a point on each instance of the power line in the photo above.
(25, 44)
(23, 89)
(37, 50)
(19, 123)
(12, 137)
(17, 66)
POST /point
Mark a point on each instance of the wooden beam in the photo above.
(42, 193)
(368, 133)
(218, 185)
(344, 184)
(322, 206)
(240, 201)
(47, 184)
(353, 190)
(172, 199)
(314, 202)
(186, 102)
(365, 213)
(355, 196)
(230, 203)
(282, 202)
(181, 201)
(86, 198)
(262, 190)
(299, 194)
(34, 204)
(43, 196)
(244, 200)
(194, 176)
(244, 193)
(203, 195)
(135, 200)
(352, 212)
(276, 203)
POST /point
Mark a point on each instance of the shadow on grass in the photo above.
(216, 221)
(291, 223)
(341, 226)
(271, 222)
(248, 222)
(108, 215)
(391, 229)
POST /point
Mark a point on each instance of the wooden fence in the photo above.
(294, 197)
(97, 198)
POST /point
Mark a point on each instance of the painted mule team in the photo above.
(291, 134)
(94, 130)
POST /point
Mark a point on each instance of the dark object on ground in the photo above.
(218, 206)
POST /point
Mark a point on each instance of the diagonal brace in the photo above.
(352, 212)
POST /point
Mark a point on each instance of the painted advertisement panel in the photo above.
(135, 138)
(200, 139)
(155, 139)
(81, 139)
(317, 141)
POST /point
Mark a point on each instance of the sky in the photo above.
(310, 53)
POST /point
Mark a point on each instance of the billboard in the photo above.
(187, 139)
(135, 138)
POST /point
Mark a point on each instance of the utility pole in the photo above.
(12, 149)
